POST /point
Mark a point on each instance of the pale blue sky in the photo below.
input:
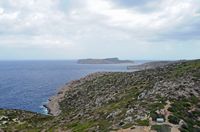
(72, 29)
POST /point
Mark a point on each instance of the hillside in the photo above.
(103, 61)
(130, 101)
(151, 65)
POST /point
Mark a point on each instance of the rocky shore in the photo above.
(53, 106)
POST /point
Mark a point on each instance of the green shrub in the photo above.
(143, 122)
(194, 100)
(161, 128)
(173, 119)
(154, 116)
(183, 130)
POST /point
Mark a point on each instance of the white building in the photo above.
(160, 120)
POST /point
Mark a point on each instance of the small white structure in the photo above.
(160, 120)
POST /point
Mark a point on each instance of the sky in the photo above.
(73, 29)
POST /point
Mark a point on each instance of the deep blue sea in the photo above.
(27, 85)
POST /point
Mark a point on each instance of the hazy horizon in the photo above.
(76, 29)
(94, 58)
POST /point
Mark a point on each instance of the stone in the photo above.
(128, 119)
(130, 111)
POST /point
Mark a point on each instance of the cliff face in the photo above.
(103, 61)
(113, 101)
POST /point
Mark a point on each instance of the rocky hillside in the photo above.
(132, 101)
(152, 65)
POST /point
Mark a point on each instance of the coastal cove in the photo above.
(27, 85)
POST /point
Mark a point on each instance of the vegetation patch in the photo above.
(156, 106)
(161, 128)
(173, 119)
(80, 127)
(186, 109)
(143, 122)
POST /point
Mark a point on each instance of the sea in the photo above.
(27, 85)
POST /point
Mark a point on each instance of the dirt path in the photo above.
(137, 129)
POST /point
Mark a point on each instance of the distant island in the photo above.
(103, 61)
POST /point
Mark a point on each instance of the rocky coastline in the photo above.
(120, 101)
(53, 106)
